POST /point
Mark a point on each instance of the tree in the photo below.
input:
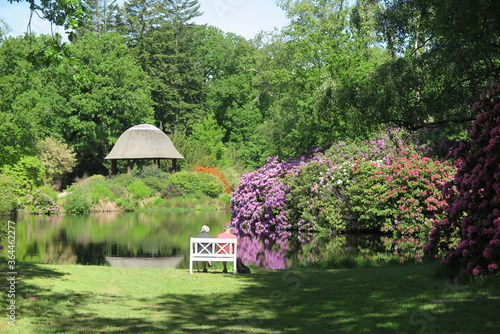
(107, 95)
(233, 97)
(102, 16)
(164, 42)
(71, 14)
(442, 51)
(57, 157)
(306, 68)
(30, 95)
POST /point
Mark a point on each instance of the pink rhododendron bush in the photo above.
(469, 236)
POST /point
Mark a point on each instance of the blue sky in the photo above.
(243, 17)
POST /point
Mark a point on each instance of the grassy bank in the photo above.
(392, 299)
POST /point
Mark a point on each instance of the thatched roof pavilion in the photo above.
(143, 141)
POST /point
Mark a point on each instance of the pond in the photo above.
(161, 240)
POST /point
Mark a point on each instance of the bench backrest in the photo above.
(213, 247)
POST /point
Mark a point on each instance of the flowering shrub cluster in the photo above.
(43, 204)
(402, 197)
(383, 184)
(214, 171)
(470, 234)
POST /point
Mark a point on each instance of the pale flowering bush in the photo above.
(469, 235)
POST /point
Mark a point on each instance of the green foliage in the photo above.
(27, 173)
(101, 192)
(49, 191)
(57, 157)
(78, 201)
(122, 180)
(118, 190)
(8, 194)
(126, 204)
(156, 183)
(107, 95)
(139, 189)
(171, 191)
(197, 184)
(152, 171)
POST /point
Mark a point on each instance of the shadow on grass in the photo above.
(392, 299)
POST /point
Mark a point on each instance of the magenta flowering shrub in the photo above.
(402, 197)
(258, 203)
(469, 236)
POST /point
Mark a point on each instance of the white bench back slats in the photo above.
(212, 249)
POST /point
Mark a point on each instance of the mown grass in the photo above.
(388, 299)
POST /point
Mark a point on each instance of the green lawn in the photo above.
(391, 299)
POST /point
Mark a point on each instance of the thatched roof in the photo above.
(144, 141)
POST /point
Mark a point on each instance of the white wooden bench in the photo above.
(212, 249)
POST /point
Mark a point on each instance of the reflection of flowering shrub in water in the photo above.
(263, 251)
(340, 251)
(269, 251)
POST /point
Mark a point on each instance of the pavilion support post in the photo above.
(114, 168)
(174, 165)
(129, 167)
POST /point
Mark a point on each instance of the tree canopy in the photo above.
(338, 70)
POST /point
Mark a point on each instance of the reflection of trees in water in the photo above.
(87, 239)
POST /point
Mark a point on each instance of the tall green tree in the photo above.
(165, 43)
(30, 95)
(108, 95)
(443, 52)
(232, 96)
(304, 70)
(101, 15)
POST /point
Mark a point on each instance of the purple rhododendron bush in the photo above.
(469, 236)
(386, 184)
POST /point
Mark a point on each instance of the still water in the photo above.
(161, 240)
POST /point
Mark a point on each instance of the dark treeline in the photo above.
(336, 72)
